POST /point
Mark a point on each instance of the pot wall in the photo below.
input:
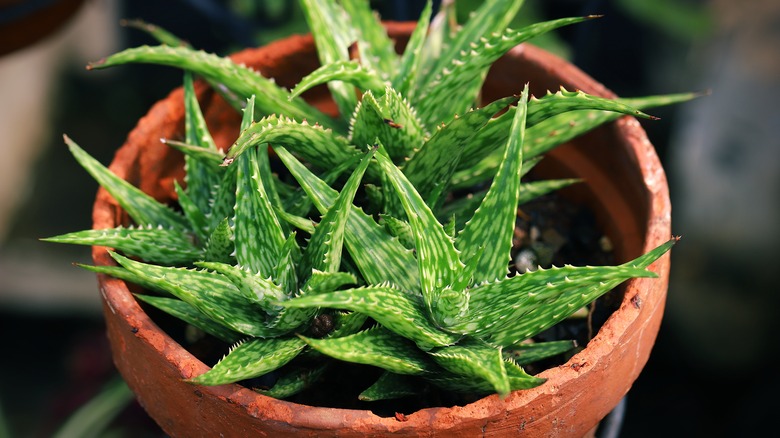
(631, 201)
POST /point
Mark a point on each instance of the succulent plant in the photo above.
(360, 246)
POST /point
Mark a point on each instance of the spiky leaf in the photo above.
(477, 360)
(192, 316)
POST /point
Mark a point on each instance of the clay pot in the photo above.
(626, 188)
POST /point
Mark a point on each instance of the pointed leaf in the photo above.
(294, 381)
(408, 74)
(476, 360)
(255, 288)
(376, 48)
(390, 386)
(351, 72)
(159, 245)
(219, 245)
(192, 316)
(250, 359)
(490, 231)
(524, 354)
(144, 209)
(391, 120)
(400, 312)
(378, 347)
(193, 213)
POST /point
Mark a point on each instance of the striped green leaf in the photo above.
(391, 386)
(394, 309)
(455, 89)
(518, 379)
(123, 274)
(476, 360)
(431, 168)
(376, 48)
(390, 119)
(350, 72)
(317, 145)
(158, 245)
(293, 380)
(377, 347)
(324, 250)
(411, 60)
(193, 213)
(210, 293)
(527, 353)
(142, 208)
(243, 81)
(490, 231)
(437, 258)
(219, 246)
(326, 20)
(251, 359)
(385, 259)
(258, 235)
(262, 291)
(185, 312)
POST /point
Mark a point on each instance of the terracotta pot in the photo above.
(626, 187)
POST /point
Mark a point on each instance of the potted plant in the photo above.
(361, 233)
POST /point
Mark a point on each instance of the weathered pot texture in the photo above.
(625, 186)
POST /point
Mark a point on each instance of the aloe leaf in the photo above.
(195, 152)
(559, 129)
(159, 245)
(396, 310)
(477, 360)
(376, 48)
(390, 386)
(210, 293)
(315, 144)
(512, 310)
(192, 316)
(486, 169)
(326, 19)
(243, 81)
(385, 258)
(144, 209)
(219, 246)
(463, 208)
(262, 291)
(200, 176)
(123, 274)
(294, 380)
(286, 270)
(411, 60)
(492, 16)
(377, 347)
(324, 250)
(400, 229)
(258, 233)
(437, 257)
(455, 89)
(489, 232)
(346, 323)
(224, 200)
(195, 216)
(518, 379)
(301, 223)
(250, 359)
(391, 120)
(524, 354)
(431, 168)
(351, 72)
(440, 33)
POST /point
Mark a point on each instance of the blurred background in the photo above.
(711, 371)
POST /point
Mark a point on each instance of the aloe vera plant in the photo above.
(361, 250)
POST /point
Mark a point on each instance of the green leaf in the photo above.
(518, 379)
(319, 146)
(144, 209)
(193, 213)
(490, 231)
(251, 359)
(324, 250)
(437, 257)
(390, 386)
(524, 354)
(210, 293)
(123, 274)
(243, 81)
(351, 72)
(431, 168)
(396, 310)
(376, 48)
(219, 246)
(411, 60)
(326, 20)
(391, 120)
(376, 347)
(192, 316)
(294, 380)
(385, 258)
(456, 87)
(258, 234)
(477, 360)
(160, 245)
(262, 291)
